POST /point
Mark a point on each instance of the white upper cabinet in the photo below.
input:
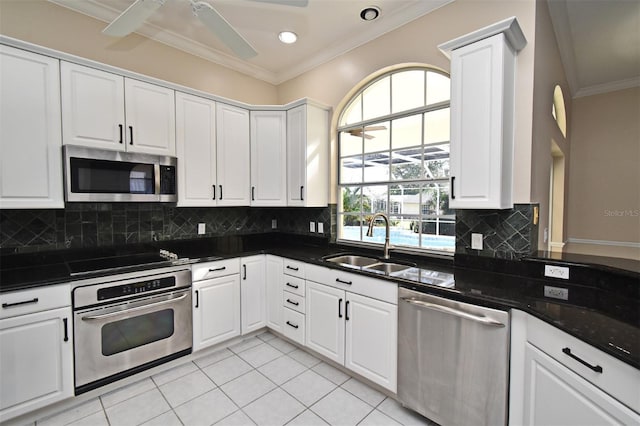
(232, 137)
(108, 111)
(196, 151)
(30, 134)
(308, 156)
(268, 158)
(482, 116)
(93, 107)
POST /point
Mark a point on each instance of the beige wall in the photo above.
(548, 72)
(604, 191)
(417, 42)
(55, 27)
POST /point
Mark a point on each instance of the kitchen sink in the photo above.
(387, 267)
(353, 260)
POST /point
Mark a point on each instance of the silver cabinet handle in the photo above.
(125, 311)
(455, 312)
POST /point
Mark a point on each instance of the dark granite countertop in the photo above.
(603, 308)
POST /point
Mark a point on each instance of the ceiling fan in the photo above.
(361, 131)
(135, 15)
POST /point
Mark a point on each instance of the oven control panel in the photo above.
(132, 289)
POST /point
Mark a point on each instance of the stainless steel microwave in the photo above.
(98, 175)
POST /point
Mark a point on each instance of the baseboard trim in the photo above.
(628, 244)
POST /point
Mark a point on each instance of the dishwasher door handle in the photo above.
(455, 312)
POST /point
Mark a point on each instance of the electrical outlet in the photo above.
(320, 228)
(202, 228)
(556, 292)
(312, 227)
(554, 271)
(274, 224)
(476, 241)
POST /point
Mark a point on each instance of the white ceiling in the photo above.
(325, 28)
(599, 42)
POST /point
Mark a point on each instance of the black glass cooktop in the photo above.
(115, 263)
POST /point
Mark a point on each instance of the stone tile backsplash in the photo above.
(507, 234)
(105, 224)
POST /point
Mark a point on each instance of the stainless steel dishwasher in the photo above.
(453, 360)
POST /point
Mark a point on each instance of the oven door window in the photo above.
(120, 336)
(111, 177)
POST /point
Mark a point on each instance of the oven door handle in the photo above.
(455, 312)
(137, 308)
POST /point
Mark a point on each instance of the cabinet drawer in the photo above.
(34, 300)
(219, 268)
(617, 378)
(293, 267)
(294, 285)
(293, 326)
(384, 290)
(293, 301)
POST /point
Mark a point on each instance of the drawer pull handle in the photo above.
(25, 302)
(338, 280)
(595, 368)
(222, 268)
(292, 268)
(66, 330)
(292, 285)
(292, 325)
(292, 302)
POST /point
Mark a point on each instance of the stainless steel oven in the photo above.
(130, 322)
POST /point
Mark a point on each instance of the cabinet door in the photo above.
(216, 311)
(253, 293)
(30, 142)
(296, 155)
(151, 118)
(275, 279)
(308, 156)
(36, 361)
(372, 339)
(196, 150)
(92, 107)
(554, 395)
(268, 158)
(325, 320)
(232, 136)
(482, 124)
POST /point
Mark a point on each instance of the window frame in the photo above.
(424, 182)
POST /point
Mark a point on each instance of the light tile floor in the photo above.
(262, 380)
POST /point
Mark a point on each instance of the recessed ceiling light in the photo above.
(288, 37)
(370, 13)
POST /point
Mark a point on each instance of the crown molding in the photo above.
(613, 86)
(564, 40)
(509, 27)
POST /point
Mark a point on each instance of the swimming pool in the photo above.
(400, 236)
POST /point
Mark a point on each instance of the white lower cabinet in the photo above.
(274, 277)
(356, 331)
(557, 379)
(216, 302)
(555, 395)
(216, 310)
(253, 292)
(36, 354)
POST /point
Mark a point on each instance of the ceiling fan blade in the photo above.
(223, 30)
(373, 128)
(132, 18)
(296, 3)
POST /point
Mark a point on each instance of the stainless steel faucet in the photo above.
(387, 247)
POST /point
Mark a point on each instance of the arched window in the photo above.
(558, 110)
(394, 158)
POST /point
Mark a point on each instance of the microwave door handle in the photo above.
(126, 311)
(156, 172)
(455, 312)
